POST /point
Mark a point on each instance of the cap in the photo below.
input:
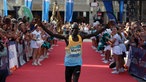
(96, 23)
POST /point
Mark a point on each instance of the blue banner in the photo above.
(121, 8)
(109, 9)
(69, 10)
(25, 3)
(45, 10)
(138, 62)
(5, 13)
(28, 3)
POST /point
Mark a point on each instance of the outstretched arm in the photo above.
(52, 34)
(93, 34)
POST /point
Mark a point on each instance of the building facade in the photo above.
(83, 11)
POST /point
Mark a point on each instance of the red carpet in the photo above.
(52, 70)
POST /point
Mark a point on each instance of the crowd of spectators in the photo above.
(21, 41)
(115, 43)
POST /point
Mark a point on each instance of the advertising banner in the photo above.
(138, 62)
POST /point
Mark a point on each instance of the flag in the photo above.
(109, 9)
(45, 10)
(25, 11)
(5, 13)
(121, 8)
(28, 3)
(69, 10)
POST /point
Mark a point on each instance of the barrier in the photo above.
(3, 65)
(138, 62)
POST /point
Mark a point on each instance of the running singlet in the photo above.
(73, 55)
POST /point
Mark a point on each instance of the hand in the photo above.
(107, 38)
(43, 23)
